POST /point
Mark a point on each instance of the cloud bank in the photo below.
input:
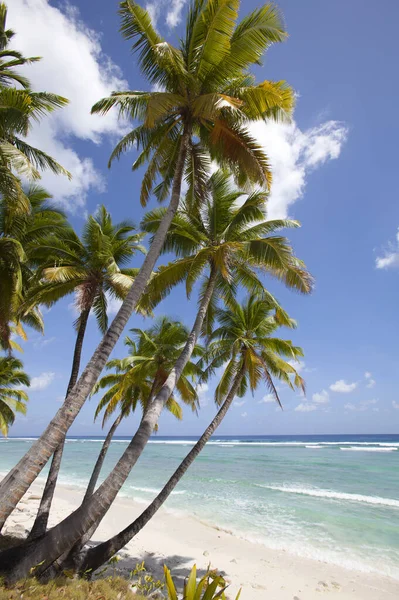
(342, 387)
(390, 257)
(73, 65)
(293, 155)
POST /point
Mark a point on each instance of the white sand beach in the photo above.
(181, 541)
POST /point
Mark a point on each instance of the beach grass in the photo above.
(111, 588)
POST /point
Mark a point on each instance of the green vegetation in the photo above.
(110, 588)
(223, 248)
(21, 232)
(12, 398)
(210, 586)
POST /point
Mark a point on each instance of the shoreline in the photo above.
(181, 540)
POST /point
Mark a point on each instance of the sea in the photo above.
(333, 498)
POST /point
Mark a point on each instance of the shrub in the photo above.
(208, 588)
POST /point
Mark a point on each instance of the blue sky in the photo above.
(334, 171)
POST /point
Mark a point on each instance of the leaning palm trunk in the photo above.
(17, 482)
(90, 490)
(97, 556)
(18, 562)
(40, 525)
(69, 556)
(100, 460)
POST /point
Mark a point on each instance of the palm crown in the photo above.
(139, 376)
(234, 240)
(20, 234)
(205, 91)
(12, 399)
(244, 341)
(91, 266)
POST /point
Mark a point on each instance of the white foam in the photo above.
(330, 494)
(147, 490)
(374, 446)
(368, 449)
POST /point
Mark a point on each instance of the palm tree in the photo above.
(20, 234)
(210, 96)
(12, 399)
(244, 340)
(20, 108)
(231, 243)
(138, 378)
(227, 235)
(229, 246)
(90, 268)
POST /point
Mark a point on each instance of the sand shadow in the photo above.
(180, 566)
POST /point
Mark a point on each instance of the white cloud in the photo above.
(342, 387)
(238, 404)
(305, 407)
(74, 66)
(41, 382)
(42, 342)
(321, 397)
(362, 406)
(170, 9)
(244, 414)
(113, 305)
(299, 365)
(268, 399)
(390, 258)
(202, 391)
(173, 16)
(294, 154)
(153, 9)
(370, 381)
(370, 402)
(395, 404)
(220, 370)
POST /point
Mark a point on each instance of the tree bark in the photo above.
(17, 482)
(40, 525)
(100, 460)
(16, 563)
(97, 556)
(69, 556)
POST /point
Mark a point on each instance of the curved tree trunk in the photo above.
(69, 557)
(17, 562)
(40, 525)
(97, 556)
(17, 482)
(100, 460)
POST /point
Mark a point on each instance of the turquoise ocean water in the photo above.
(333, 498)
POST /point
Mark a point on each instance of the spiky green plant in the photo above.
(210, 587)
